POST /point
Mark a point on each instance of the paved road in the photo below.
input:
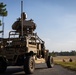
(41, 69)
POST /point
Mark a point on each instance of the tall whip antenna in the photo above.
(22, 18)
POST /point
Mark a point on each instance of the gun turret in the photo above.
(28, 26)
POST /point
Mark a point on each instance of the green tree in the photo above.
(3, 13)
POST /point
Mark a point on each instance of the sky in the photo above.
(55, 21)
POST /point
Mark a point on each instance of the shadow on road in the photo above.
(20, 71)
(41, 68)
(11, 71)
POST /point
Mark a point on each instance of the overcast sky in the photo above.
(55, 20)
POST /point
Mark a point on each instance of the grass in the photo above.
(68, 65)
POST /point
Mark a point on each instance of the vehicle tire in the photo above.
(3, 66)
(29, 65)
(50, 62)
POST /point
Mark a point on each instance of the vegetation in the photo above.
(72, 53)
(3, 11)
(66, 61)
(69, 65)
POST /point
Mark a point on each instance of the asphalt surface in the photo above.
(41, 69)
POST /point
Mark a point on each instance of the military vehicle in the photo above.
(23, 47)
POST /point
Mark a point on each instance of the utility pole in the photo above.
(2, 26)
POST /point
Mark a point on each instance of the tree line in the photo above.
(65, 53)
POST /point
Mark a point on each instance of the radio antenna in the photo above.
(22, 18)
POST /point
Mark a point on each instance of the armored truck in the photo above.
(23, 47)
